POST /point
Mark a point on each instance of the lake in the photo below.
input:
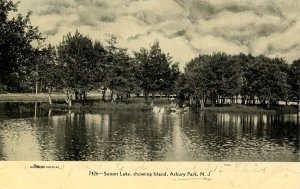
(28, 132)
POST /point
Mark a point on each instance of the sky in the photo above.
(184, 28)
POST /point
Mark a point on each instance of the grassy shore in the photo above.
(94, 102)
(60, 97)
(100, 106)
(134, 103)
(40, 97)
(250, 109)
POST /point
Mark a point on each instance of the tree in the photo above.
(227, 76)
(80, 64)
(120, 69)
(183, 90)
(168, 83)
(155, 72)
(197, 79)
(294, 81)
(16, 51)
(267, 80)
(213, 77)
(50, 72)
(42, 71)
(245, 62)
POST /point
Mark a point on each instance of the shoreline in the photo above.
(135, 103)
(237, 108)
(100, 106)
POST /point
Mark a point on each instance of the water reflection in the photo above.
(27, 132)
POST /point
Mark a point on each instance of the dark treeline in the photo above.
(79, 64)
(245, 79)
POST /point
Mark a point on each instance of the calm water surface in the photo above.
(28, 132)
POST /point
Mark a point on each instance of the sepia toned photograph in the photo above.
(150, 80)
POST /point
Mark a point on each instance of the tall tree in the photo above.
(156, 72)
(198, 78)
(227, 74)
(78, 60)
(50, 72)
(245, 62)
(42, 70)
(267, 80)
(183, 90)
(213, 77)
(16, 51)
(120, 69)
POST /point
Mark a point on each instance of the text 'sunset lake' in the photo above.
(28, 132)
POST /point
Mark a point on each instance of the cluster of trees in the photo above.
(85, 65)
(214, 79)
(79, 64)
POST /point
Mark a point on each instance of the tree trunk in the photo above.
(84, 95)
(197, 102)
(112, 96)
(152, 99)
(103, 94)
(76, 95)
(35, 110)
(202, 103)
(69, 99)
(49, 112)
(248, 101)
(191, 100)
(205, 101)
(243, 100)
(298, 120)
(218, 99)
(118, 97)
(41, 86)
(80, 96)
(146, 97)
(49, 95)
(36, 87)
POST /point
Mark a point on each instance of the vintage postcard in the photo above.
(149, 94)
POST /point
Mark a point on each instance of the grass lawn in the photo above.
(40, 97)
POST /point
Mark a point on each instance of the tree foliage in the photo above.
(120, 69)
(294, 80)
(266, 79)
(213, 76)
(219, 76)
(156, 73)
(16, 51)
(81, 61)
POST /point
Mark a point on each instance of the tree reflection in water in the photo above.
(28, 132)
